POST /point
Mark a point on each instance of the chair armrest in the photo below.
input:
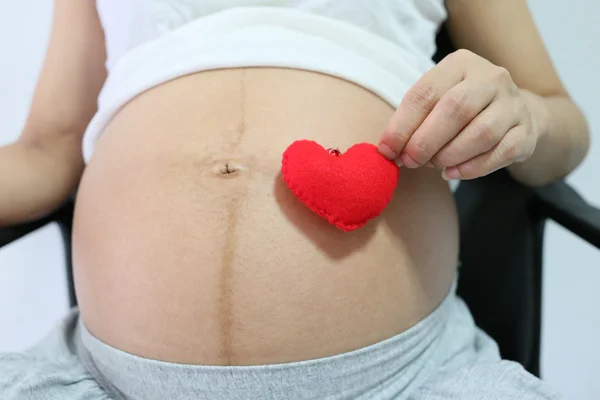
(561, 203)
(13, 233)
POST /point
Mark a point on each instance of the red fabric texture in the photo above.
(348, 189)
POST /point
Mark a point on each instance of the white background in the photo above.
(32, 280)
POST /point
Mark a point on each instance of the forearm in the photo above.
(35, 179)
(563, 140)
(42, 169)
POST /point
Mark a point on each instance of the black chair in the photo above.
(501, 247)
(501, 234)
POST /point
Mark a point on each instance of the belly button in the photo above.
(228, 169)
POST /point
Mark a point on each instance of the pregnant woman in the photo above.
(199, 274)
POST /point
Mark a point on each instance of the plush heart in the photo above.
(347, 189)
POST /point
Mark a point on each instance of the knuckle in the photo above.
(394, 134)
(509, 151)
(462, 54)
(395, 138)
(485, 131)
(513, 89)
(532, 148)
(419, 152)
(458, 107)
(443, 159)
(528, 151)
(423, 97)
(501, 73)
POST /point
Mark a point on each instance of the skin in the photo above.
(497, 102)
(231, 269)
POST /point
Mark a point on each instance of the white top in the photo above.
(381, 45)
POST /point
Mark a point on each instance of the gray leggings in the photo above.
(445, 356)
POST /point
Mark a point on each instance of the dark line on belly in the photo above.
(226, 283)
(227, 312)
(242, 126)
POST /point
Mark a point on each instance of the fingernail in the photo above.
(408, 162)
(399, 162)
(451, 173)
(386, 151)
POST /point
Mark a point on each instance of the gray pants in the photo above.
(445, 356)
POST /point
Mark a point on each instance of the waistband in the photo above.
(392, 368)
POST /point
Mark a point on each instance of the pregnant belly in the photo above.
(188, 246)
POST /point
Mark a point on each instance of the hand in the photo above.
(465, 116)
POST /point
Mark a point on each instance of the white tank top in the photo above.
(382, 45)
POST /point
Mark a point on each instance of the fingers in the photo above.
(456, 108)
(481, 134)
(464, 116)
(516, 145)
(416, 105)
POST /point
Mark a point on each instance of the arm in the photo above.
(504, 33)
(42, 168)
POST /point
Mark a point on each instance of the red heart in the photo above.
(347, 189)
